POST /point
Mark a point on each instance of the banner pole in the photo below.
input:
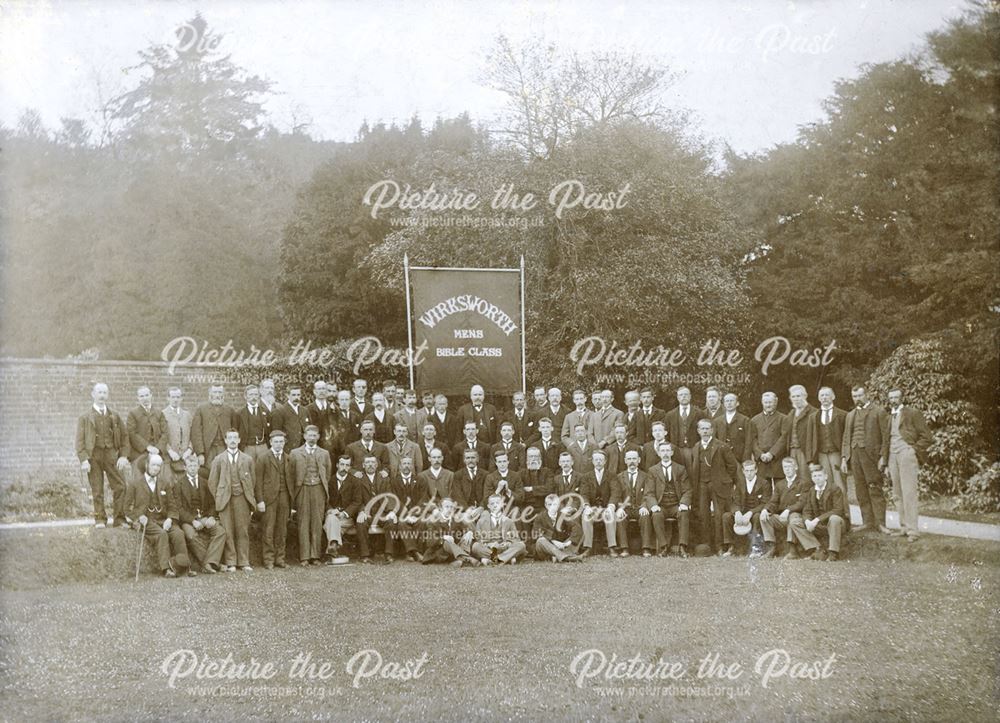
(524, 368)
(409, 328)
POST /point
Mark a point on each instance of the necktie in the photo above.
(666, 472)
(232, 459)
(194, 482)
(826, 416)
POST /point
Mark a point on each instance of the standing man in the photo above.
(208, 428)
(580, 415)
(830, 439)
(231, 482)
(651, 450)
(619, 447)
(449, 431)
(149, 506)
(714, 471)
(581, 449)
(194, 513)
(682, 427)
(547, 443)
(267, 398)
(436, 478)
(713, 404)
(401, 447)
(343, 426)
(648, 414)
(178, 431)
(408, 415)
(555, 410)
(768, 440)
(472, 441)
(430, 442)
(507, 445)
(359, 404)
(802, 445)
(383, 418)
(147, 428)
(523, 420)
(604, 419)
(732, 427)
(291, 418)
(906, 448)
(253, 424)
(866, 428)
(318, 410)
(102, 447)
(632, 415)
(312, 487)
(480, 413)
(368, 446)
(274, 488)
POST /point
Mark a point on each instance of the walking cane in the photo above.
(138, 560)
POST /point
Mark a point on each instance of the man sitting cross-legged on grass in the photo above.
(822, 516)
(449, 537)
(789, 497)
(148, 507)
(496, 535)
(194, 511)
(750, 498)
(557, 537)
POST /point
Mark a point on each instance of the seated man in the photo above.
(669, 500)
(750, 498)
(595, 489)
(402, 524)
(147, 508)
(556, 537)
(504, 482)
(822, 516)
(449, 537)
(788, 497)
(496, 538)
(628, 494)
(194, 512)
(336, 520)
(361, 491)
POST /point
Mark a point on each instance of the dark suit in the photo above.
(540, 482)
(550, 456)
(384, 431)
(753, 502)
(458, 454)
(254, 430)
(802, 443)
(467, 490)
(208, 429)
(669, 494)
(358, 452)
(293, 423)
(275, 486)
(439, 488)
(157, 506)
(448, 432)
(557, 417)
(713, 474)
(103, 457)
(356, 496)
(512, 494)
(546, 530)
(641, 431)
(683, 433)
(830, 509)
(784, 498)
(616, 456)
(769, 433)
(412, 498)
(487, 421)
(862, 457)
(734, 434)
(145, 429)
(630, 499)
(190, 504)
(515, 455)
(321, 419)
(341, 430)
(524, 428)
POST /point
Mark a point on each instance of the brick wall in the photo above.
(41, 399)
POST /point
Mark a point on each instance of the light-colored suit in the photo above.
(440, 487)
(178, 434)
(410, 449)
(234, 512)
(569, 424)
(602, 425)
(501, 537)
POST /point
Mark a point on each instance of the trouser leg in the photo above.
(798, 532)
(195, 545)
(159, 543)
(909, 491)
(515, 548)
(868, 486)
(267, 525)
(240, 510)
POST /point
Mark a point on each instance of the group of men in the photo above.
(480, 486)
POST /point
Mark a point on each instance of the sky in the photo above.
(752, 72)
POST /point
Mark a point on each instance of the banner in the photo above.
(468, 324)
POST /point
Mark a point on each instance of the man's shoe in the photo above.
(574, 558)
(624, 553)
(192, 573)
(647, 553)
(367, 561)
(387, 558)
(832, 556)
(792, 553)
(281, 563)
(665, 552)
(819, 554)
(585, 553)
(613, 552)
(512, 561)
(208, 569)
(457, 562)
(315, 562)
(683, 552)
(268, 566)
(415, 556)
(247, 568)
(230, 568)
(861, 528)
(304, 563)
(912, 538)
(728, 551)
(169, 573)
(100, 525)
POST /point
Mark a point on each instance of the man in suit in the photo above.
(557, 537)
(430, 442)
(651, 450)
(148, 505)
(648, 414)
(682, 428)
(384, 420)
(147, 428)
(389, 394)
(536, 481)
(267, 398)
(467, 482)
(632, 416)
(753, 493)
(555, 411)
(368, 446)
(401, 447)
(581, 449)
(480, 413)
(313, 468)
(580, 415)
(628, 495)
(435, 477)
(292, 418)
(802, 445)
(408, 415)
(619, 447)
(194, 513)
(768, 439)
(425, 411)
(208, 428)
(359, 405)
(472, 442)
(403, 526)
(507, 445)
(905, 446)
(732, 427)
(102, 446)
(713, 404)
(788, 498)
(337, 520)
(231, 482)
(669, 499)
(496, 538)
(504, 482)
(449, 431)
(866, 427)
(253, 424)
(359, 494)
(540, 399)
(713, 470)
(547, 444)
(449, 537)
(830, 438)
(595, 489)
(274, 489)
(343, 425)
(318, 410)
(603, 421)
(522, 418)
(823, 515)
(178, 432)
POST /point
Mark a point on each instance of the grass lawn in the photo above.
(914, 640)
